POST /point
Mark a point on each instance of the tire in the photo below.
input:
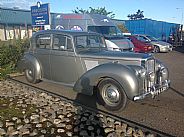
(30, 74)
(106, 89)
(156, 49)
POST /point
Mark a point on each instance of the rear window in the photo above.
(43, 41)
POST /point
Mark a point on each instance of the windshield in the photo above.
(141, 39)
(83, 43)
(152, 38)
(105, 30)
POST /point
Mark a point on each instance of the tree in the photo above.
(98, 10)
(138, 15)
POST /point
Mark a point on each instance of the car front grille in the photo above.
(150, 65)
(150, 79)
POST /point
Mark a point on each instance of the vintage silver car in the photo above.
(81, 60)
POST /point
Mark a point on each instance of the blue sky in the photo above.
(162, 10)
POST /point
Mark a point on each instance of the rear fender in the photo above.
(122, 74)
(28, 60)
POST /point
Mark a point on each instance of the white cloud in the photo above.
(21, 4)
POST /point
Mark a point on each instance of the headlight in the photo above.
(116, 49)
(151, 76)
(164, 73)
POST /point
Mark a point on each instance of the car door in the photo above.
(42, 53)
(62, 58)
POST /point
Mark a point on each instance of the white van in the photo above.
(95, 23)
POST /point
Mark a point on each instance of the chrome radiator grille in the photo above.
(150, 65)
(150, 69)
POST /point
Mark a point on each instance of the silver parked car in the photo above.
(81, 60)
(160, 46)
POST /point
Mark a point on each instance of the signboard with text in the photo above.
(40, 14)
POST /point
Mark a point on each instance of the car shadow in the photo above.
(179, 93)
(179, 49)
(88, 122)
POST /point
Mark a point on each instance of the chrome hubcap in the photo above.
(156, 49)
(110, 94)
(30, 72)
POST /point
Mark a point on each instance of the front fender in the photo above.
(28, 60)
(122, 74)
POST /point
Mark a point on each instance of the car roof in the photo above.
(66, 32)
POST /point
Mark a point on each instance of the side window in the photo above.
(81, 41)
(43, 41)
(61, 42)
(91, 28)
(129, 38)
(69, 44)
(93, 41)
(142, 38)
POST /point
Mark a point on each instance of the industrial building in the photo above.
(15, 23)
(157, 29)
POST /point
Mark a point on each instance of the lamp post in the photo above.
(181, 36)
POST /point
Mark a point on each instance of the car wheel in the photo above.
(111, 95)
(30, 74)
(156, 49)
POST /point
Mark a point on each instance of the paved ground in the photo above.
(165, 113)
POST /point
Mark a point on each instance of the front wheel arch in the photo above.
(123, 74)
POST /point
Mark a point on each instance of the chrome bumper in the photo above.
(165, 49)
(154, 90)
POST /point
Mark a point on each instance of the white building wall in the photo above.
(17, 31)
(30, 32)
(2, 34)
(9, 32)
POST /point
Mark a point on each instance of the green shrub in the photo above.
(10, 53)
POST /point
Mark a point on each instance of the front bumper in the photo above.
(154, 90)
(165, 49)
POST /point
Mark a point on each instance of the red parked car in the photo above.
(140, 44)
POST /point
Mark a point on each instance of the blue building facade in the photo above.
(157, 29)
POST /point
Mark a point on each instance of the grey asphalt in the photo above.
(165, 112)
